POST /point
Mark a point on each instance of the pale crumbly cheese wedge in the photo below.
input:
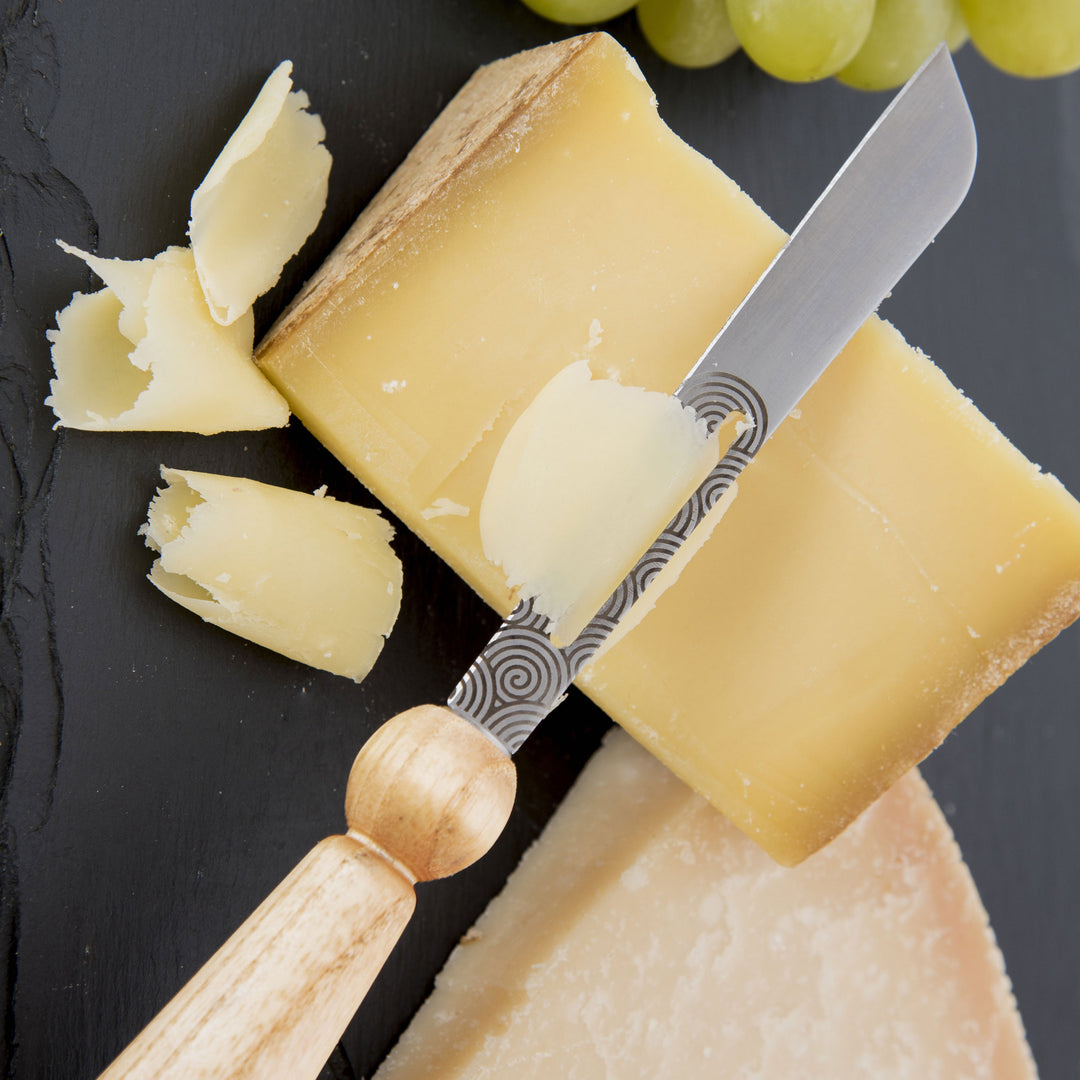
(888, 559)
(304, 575)
(261, 199)
(644, 936)
(143, 354)
(579, 485)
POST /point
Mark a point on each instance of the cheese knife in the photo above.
(432, 789)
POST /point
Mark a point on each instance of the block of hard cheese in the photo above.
(644, 936)
(887, 560)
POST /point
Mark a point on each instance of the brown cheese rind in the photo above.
(493, 100)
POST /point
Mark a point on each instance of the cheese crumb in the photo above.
(596, 334)
(443, 507)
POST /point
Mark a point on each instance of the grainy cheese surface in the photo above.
(643, 936)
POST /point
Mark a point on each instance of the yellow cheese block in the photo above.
(887, 560)
(642, 935)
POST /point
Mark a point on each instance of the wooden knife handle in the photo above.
(428, 794)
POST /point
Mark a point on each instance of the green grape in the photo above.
(801, 40)
(957, 35)
(903, 34)
(1032, 38)
(690, 33)
(579, 12)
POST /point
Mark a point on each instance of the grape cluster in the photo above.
(869, 44)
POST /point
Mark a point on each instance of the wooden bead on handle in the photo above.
(432, 790)
(428, 794)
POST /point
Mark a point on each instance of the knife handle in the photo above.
(428, 794)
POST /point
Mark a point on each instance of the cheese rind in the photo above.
(889, 558)
(305, 575)
(642, 935)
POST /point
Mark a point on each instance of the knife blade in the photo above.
(833, 272)
(432, 788)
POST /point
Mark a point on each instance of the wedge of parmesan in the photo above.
(261, 199)
(305, 575)
(587, 477)
(143, 354)
(644, 936)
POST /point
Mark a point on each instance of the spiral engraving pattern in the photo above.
(517, 679)
(521, 675)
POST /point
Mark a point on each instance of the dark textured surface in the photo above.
(159, 777)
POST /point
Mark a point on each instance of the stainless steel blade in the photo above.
(899, 187)
(901, 184)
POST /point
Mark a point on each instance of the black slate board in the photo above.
(159, 777)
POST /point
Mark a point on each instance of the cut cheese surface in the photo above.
(644, 936)
(261, 199)
(584, 482)
(304, 575)
(143, 354)
(886, 561)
